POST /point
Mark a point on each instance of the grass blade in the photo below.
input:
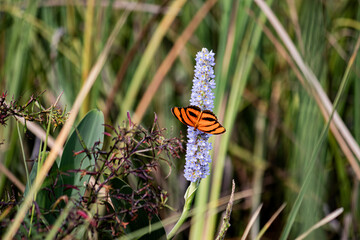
(244, 63)
(169, 60)
(324, 221)
(319, 94)
(147, 58)
(271, 220)
(251, 222)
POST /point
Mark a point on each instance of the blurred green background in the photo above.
(277, 146)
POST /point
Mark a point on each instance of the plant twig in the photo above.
(226, 220)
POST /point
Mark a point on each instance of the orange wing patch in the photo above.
(205, 121)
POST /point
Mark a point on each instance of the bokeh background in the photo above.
(272, 95)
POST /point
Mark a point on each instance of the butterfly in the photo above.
(205, 121)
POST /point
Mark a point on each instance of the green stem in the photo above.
(189, 196)
(23, 152)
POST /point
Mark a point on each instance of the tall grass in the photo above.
(272, 97)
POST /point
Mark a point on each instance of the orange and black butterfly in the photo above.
(205, 121)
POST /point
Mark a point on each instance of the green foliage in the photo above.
(93, 180)
(51, 190)
(275, 122)
(88, 134)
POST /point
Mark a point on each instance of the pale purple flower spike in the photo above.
(198, 157)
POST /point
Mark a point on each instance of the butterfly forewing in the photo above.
(189, 120)
(177, 113)
(193, 113)
(184, 116)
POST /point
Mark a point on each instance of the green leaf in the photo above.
(49, 193)
(89, 131)
(142, 221)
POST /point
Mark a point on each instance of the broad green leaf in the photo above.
(89, 131)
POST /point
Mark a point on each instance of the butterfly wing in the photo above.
(187, 115)
(193, 113)
(205, 121)
(208, 123)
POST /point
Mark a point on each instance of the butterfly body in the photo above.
(205, 121)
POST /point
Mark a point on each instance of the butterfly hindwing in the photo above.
(207, 118)
(208, 123)
(215, 129)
